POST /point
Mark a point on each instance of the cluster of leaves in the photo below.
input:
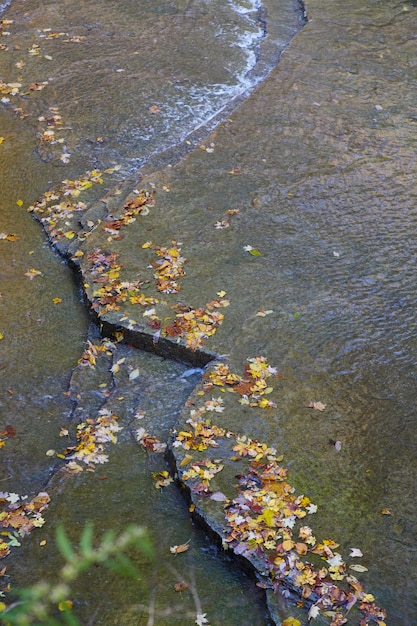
(251, 386)
(265, 519)
(91, 437)
(104, 270)
(52, 120)
(150, 442)
(169, 267)
(7, 433)
(92, 351)
(19, 516)
(195, 325)
(192, 324)
(57, 207)
(139, 204)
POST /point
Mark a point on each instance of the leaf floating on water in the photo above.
(252, 251)
(134, 374)
(355, 552)
(9, 237)
(263, 312)
(318, 406)
(181, 548)
(358, 568)
(32, 273)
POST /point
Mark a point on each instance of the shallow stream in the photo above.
(132, 80)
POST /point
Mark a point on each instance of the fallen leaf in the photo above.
(355, 552)
(218, 496)
(318, 406)
(252, 251)
(182, 586)
(134, 374)
(181, 548)
(32, 273)
(291, 621)
(358, 568)
(313, 612)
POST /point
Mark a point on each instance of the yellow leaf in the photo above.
(287, 545)
(66, 605)
(56, 300)
(19, 202)
(32, 273)
(291, 621)
(358, 568)
(268, 516)
(186, 460)
(70, 234)
(1, 336)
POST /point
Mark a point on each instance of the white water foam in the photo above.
(4, 5)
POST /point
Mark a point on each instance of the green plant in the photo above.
(36, 604)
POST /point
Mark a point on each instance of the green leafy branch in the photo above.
(35, 604)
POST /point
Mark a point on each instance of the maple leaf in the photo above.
(313, 612)
(201, 619)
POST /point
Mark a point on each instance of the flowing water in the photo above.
(132, 79)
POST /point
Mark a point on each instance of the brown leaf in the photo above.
(318, 406)
(182, 586)
(181, 548)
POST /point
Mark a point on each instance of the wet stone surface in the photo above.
(280, 238)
